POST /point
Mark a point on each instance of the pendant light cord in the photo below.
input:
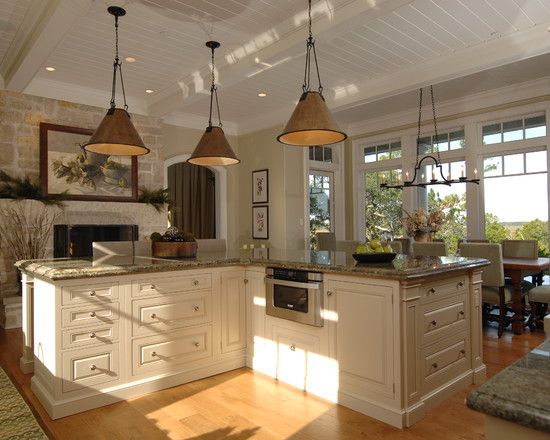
(310, 47)
(117, 65)
(214, 94)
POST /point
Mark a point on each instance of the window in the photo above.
(523, 212)
(383, 206)
(320, 153)
(453, 140)
(390, 150)
(321, 211)
(516, 130)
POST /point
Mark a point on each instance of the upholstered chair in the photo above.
(433, 249)
(326, 241)
(539, 298)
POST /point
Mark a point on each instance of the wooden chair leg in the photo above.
(502, 315)
(532, 323)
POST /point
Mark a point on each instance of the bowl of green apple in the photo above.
(374, 251)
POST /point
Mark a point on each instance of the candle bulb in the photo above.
(422, 177)
(407, 176)
(475, 173)
(433, 173)
(462, 171)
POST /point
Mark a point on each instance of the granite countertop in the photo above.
(520, 393)
(402, 268)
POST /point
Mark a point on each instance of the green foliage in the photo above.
(535, 230)
(383, 208)
(454, 207)
(157, 198)
(494, 231)
(17, 188)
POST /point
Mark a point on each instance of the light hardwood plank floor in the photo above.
(241, 405)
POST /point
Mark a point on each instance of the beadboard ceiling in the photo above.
(369, 50)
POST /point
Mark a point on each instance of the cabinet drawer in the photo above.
(95, 335)
(169, 351)
(88, 315)
(444, 361)
(153, 315)
(90, 367)
(95, 293)
(442, 319)
(167, 285)
(439, 289)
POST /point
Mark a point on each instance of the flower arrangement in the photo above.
(421, 221)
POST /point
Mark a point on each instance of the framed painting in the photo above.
(69, 172)
(260, 222)
(260, 186)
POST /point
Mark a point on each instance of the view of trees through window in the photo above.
(383, 207)
(320, 209)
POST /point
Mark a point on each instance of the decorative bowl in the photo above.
(379, 257)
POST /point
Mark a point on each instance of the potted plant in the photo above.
(421, 225)
(174, 243)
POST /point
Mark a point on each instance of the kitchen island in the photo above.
(397, 337)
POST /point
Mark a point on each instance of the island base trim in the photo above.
(393, 417)
(480, 375)
(77, 404)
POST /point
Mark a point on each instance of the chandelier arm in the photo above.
(122, 86)
(435, 120)
(317, 68)
(218, 106)
(307, 69)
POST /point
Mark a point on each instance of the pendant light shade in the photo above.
(116, 135)
(213, 148)
(311, 122)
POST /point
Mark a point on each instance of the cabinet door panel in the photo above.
(233, 308)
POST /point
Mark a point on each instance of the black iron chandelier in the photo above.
(418, 176)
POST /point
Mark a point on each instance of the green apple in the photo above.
(374, 243)
(362, 249)
(378, 249)
(388, 248)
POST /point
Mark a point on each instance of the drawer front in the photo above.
(95, 335)
(90, 315)
(443, 361)
(90, 294)
(436, 290)
(166, 352)
(168, 285)
(90, 367)
(153, 315)
(442, 319)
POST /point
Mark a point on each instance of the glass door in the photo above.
(321, 202)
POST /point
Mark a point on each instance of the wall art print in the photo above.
(260, 186)
(67, 171)
(260, 222)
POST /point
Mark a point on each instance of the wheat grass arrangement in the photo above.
(25, 229)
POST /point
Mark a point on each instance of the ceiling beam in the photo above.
(43, 28)
(288, 35)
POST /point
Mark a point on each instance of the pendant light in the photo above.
(213, 148)
(116, 135)
(311, 122)
(435, 160)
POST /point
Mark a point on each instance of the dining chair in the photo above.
(211, 244)
(326, 241)
(494, 289)
(397, 246)
(347, 246)
(433, 249)
(523, 249)
(539, 298)
(405, 244)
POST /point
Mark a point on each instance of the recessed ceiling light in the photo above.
(262, 94)
(50, 69)
(149, 91)
(130, 59)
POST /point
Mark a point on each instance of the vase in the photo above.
(422, 236)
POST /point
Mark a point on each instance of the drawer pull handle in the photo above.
(153, 315)
(461, 313)
(460, 284)
(434, 365)
(431, 291)
(196, 344)
(246, 281)
(153, 287)
(434, 323)
(92, 314)
(462, 352)
(92, 335)
(92, 293)
(292, 347)
(196, 308)
(329, 293)
(153, 354)
(195, 282)
(93, 367)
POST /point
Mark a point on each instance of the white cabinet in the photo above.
(233, 310)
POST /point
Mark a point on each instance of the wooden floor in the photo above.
(243, 405)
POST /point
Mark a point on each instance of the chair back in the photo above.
(493, 275)
(347, 246)
(520, 249)
(326, 241)
(397, 246)
(211, 244)
(405, 244)
(433, 249)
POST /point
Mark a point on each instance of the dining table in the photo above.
(515, 268)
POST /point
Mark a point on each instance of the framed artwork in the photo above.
(260, 186)
(67, 171)
(260, 222)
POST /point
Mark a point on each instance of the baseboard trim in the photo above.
(480, 374)
(393, 417)
(76, 404)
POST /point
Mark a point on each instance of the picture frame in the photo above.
(260, 186)
(69, 172)
(260, 222)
